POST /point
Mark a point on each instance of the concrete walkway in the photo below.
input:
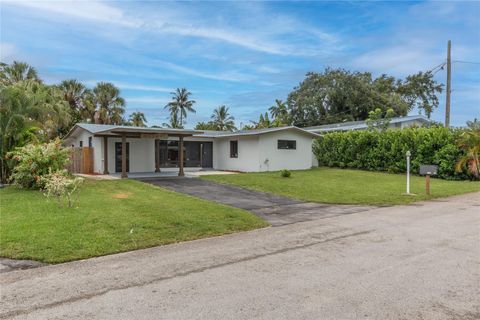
(404, 262)
(277, 210)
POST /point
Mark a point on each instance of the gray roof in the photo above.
(357, 125)
(253, 132)
(114, 129)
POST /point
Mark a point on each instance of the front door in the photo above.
(118, 157)
(207, 154)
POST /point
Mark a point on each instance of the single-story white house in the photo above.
(151, 149)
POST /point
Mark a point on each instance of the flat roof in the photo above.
(353, 125)
(253, 132)
(116, 130)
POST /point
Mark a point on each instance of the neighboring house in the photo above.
(395, 123)
(151, 149)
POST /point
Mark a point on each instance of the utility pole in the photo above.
(449, 84)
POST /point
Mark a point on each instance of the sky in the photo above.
(241, 54)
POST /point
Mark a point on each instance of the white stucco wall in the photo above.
(252, 152)
(142, 154)
(291, 159)
(248, 157)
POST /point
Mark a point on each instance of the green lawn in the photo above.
(346, 186)
(109, 217)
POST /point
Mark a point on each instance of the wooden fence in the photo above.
(81, 160)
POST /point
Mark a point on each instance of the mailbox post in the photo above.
(408, 154)
(427, 171)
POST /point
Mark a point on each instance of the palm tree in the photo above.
(109, 104)
(263, 122)
(469, 141)
(88, 110)
(16, 72)
(174, 123)
(205, 126)
(222, 120)
(279, 112)
(180, 104)
(74, 93)
(138, 119)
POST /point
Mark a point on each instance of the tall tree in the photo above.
(16, 72)
(180, 105)
(337, 95)
(109, 104)
(138, 119)
(29, 111)
(262, 123)
(420, 90)
(74, 93)
(205, 126)
(174, 123)
(279, 113)
(222, 120)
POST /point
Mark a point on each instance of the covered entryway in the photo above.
(143, 151)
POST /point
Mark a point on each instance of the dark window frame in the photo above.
(90, 142)
(233, 148)
(287, 144)
(81, 143)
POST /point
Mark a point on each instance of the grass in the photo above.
(344, 186)
(109, 217)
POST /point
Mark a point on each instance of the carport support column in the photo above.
(180, 157)
(124, 156)
(105, 155)
(157, 155)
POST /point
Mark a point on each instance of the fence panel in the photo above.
(81, 160)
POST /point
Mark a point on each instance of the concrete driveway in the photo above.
(277, 210)
(406, 262)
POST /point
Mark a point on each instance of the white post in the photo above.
(408, 171)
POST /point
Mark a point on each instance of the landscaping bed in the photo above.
(109, 217)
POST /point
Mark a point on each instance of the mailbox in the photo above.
(430, 170)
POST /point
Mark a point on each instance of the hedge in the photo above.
(385, 150)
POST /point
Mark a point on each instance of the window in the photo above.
(90, 142)
(233, 149)
(81, 143)
(287, 144)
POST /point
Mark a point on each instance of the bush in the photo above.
(60, 186)
(285, 173)
(34, 161)
(385, 151)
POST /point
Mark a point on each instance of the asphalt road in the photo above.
(408, 262)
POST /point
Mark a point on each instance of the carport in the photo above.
(125, 132)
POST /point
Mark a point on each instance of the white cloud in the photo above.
(147, 100)
(132, 86)
(87, 10)
(269, 38)
(7, 51)
(399, 60)
(225, 76)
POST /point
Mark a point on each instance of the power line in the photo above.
(469, 62)
(441, 65)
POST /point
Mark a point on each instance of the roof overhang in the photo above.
(257, 133)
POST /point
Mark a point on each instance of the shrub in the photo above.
(385, 151)
(34, 161)
(60, 186)
(285, 173)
